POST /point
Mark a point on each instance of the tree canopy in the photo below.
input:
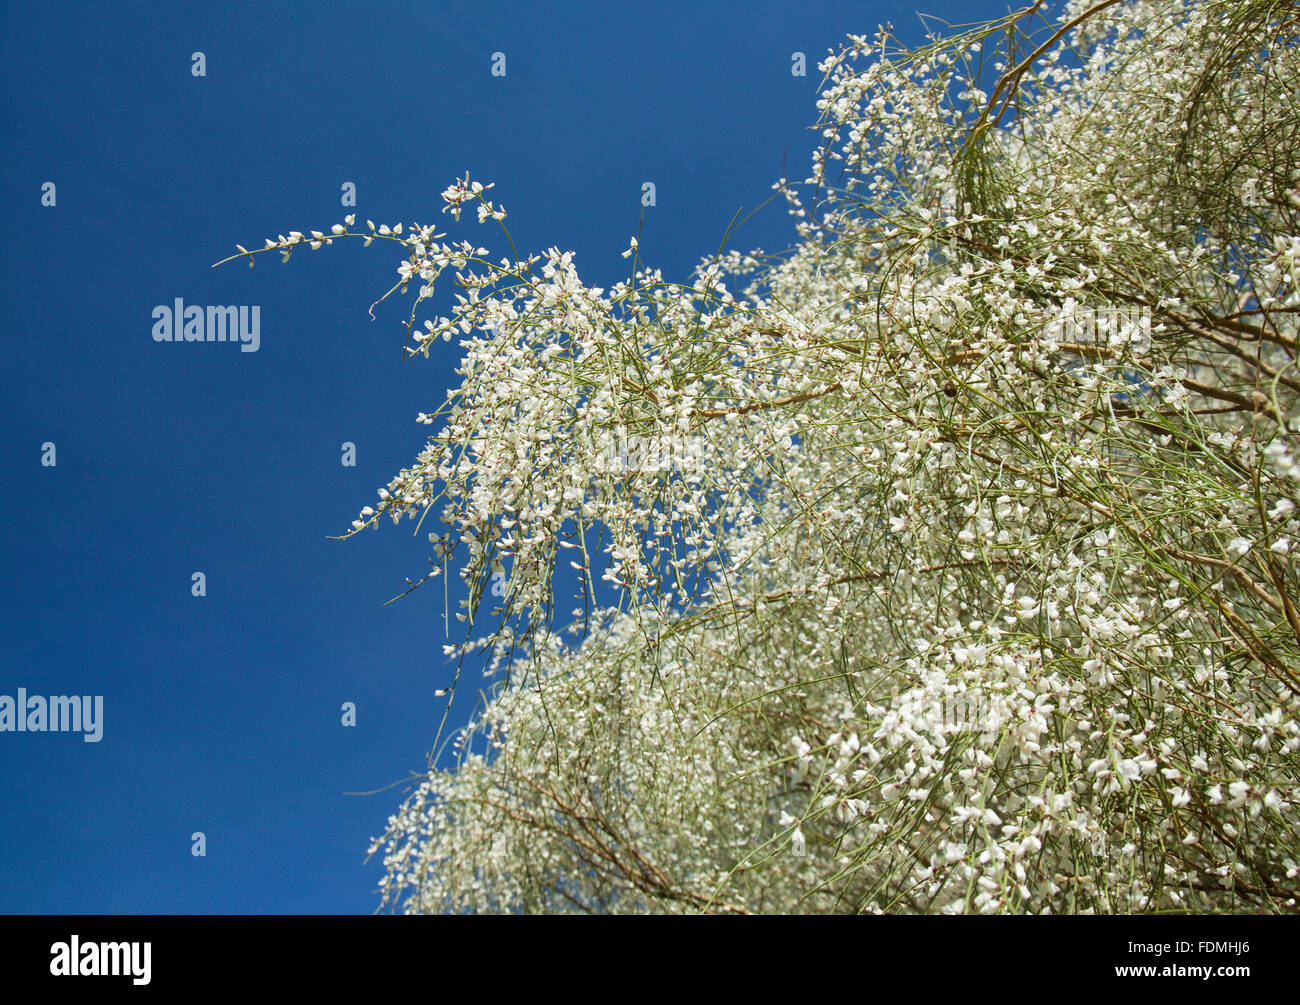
(942, 563)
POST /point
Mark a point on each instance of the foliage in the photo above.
(945, 563)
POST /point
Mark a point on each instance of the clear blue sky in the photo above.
(222, 713)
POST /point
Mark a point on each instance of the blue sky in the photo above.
(222, 713)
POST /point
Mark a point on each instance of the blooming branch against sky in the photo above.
(992, 504)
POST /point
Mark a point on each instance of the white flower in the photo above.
(1238, 546)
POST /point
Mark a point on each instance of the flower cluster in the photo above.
(940, 606)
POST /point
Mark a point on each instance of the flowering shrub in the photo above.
(903, 480)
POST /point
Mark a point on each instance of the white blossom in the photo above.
(909, 578)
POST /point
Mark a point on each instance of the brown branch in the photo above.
(1010, 81)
